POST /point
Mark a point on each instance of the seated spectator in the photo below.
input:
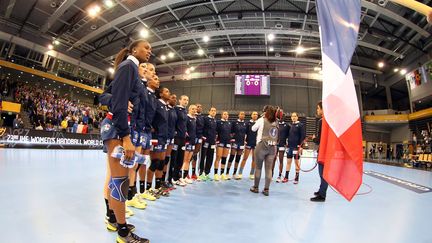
(38, 126)
(17, 122)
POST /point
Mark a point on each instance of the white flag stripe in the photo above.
(339, 97)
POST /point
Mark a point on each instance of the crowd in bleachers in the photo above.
(49, 111)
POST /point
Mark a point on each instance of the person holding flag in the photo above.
(341, 137)
(320, 195)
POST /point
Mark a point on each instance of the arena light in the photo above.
(270, 37)
(144, 33)
(403, 71)
(108, 3)
(206, 38)
(163, 57)
(187, 71)
(200, 52)
(56, 42)
(221, 50)
(111, 70)
(396, 70)
(271, 49)
(94, 11)
(300, 50)
(50, 47)
(317, 69)
(381, 64)
(192, 69)
(171, 54)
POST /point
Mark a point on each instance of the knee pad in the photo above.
(154, 164)
(120, 187)
(223, 160)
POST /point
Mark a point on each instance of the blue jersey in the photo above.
(223, 130)
(199, 125)
(210, 130)
(296, 135)
(172, 120)
(251, 136)
(123, 90)
(160, 121)
(283, 134)
(239, 131)
(150, 110)
(181, 121)
(191, 126)
(138, 101)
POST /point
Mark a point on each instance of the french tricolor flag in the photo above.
(341, 137)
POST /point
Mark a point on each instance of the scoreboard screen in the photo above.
(252, 84)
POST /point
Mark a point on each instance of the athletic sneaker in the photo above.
(285, 180)
(279, 180)
(252, 177)
(239, 177)
(217, 177)
(189, 180)
(171, 185)
(182, 180)
(154, 193)
(194, 177)
(296, 182)
(136, 203)
(178, 183)
(129, 213)
(163, 192)
(224, 177)
(207, 178)
(202, 177)
(114, 226)
(131, 238)
(147, 196)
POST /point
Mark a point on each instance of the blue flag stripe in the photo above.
(339, 23)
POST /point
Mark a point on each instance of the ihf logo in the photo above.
(273, 132)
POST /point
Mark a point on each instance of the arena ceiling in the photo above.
(238, 31)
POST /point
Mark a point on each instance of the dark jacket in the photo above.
(209, 131)
(150, 110)
(181, 122)
(238, 129)
(199, 125)
(191, 129)
(125, 80)
(223, 130)
(160, 121)
(251, 136)
(172, 120)
(296, 135)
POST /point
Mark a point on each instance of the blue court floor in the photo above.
(56, 196)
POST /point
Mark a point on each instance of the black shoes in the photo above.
(266, 192)
(254, 189)
(316, 193)
(318, 198)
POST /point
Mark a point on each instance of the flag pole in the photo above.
(417, 6)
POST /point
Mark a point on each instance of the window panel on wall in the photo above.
(36, 56)
(21, 51)
(5, 46)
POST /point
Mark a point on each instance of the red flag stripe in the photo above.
(342, 158)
